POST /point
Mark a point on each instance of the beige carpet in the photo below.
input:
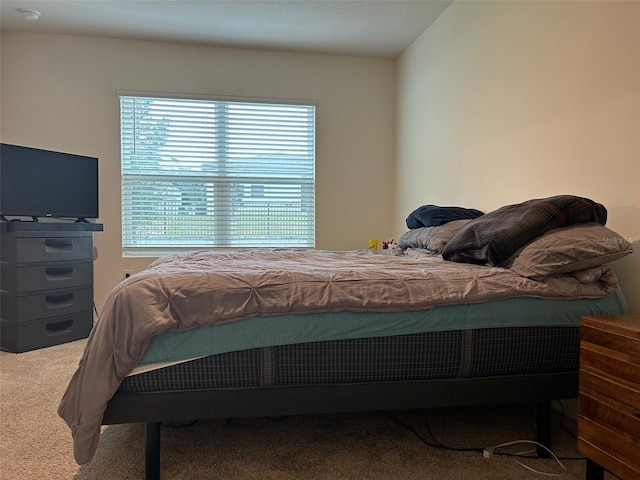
(36, 444)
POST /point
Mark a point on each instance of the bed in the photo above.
(477, 310)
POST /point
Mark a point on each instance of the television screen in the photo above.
(42, 183)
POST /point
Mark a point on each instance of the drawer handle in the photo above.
(58, 327)
(58, 242)
(59, 270)
(59, 298)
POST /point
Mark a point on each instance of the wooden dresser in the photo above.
(609, 398)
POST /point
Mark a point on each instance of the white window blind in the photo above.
(208, 173)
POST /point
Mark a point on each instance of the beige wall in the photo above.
(59, 93)
(499, 102)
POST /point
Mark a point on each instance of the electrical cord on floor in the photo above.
(487, 452)
(561, 424)
(434, 443)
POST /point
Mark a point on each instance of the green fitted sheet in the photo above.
(289, 329)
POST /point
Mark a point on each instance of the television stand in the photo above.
(47, 283)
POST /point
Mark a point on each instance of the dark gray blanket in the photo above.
(494, 237)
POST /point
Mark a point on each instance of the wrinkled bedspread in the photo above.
(213, 287)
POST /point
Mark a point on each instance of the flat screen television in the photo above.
(42, 183)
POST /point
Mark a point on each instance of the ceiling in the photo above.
(376, 28)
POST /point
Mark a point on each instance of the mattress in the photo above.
(426, 356)
(258, 332)
(506, 337)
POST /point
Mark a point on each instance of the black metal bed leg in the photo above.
(543, 428)
(594, 471)
(152, 451)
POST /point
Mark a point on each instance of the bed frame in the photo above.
(156, 408)
(506, 230)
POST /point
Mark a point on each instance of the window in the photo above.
(209, 173)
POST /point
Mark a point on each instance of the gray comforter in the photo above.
(191, 290)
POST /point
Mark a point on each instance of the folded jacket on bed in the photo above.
(433, 215)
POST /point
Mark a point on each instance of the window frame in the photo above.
(307, 197)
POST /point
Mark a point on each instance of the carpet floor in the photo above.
(36, 444)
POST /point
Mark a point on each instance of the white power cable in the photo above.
(488, 451)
